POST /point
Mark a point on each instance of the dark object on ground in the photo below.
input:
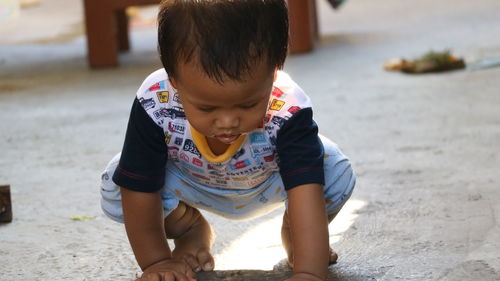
(429, 62)
(247, 275)
(274, 275)
(5, 204)
(336, 3)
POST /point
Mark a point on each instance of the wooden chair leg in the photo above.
(302, 25)
(314, 20)
(122, 30)
(100, 25)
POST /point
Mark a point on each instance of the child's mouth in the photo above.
(227, 138)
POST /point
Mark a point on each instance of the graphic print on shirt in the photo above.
(162, 96)
(168, 137)
(276, 104)
(191, 147)
(252, 163)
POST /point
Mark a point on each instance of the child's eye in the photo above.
(206, 109)
(248, 106)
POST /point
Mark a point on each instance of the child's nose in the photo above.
(227, 121)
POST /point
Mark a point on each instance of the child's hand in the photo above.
(168, 270)
(304, 277)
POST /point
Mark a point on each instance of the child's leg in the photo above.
(193, 237)
(339, 183)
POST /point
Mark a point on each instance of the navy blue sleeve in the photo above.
(144, 154)
(300, 151)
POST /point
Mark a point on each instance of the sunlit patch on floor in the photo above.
(344, 219)
(260, 246)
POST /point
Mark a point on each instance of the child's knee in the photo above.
(111, 201)
(339, 184)
(110, 192)
(181, 220)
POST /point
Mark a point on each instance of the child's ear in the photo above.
(275, 74)
(173, 82)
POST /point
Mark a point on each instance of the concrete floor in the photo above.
(426, 148)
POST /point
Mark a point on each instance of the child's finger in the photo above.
(190, 274)
(185, 270)
(171, 276)
(175, 276)
(150, 277)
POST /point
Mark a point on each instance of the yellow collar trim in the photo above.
(202, 145)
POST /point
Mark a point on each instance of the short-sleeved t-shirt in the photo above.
(158, 131)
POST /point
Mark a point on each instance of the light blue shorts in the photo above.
(232, 203)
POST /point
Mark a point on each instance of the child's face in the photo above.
(224, 111)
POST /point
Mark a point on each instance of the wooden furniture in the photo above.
(303, 22)
(107, 28)
(5, 204)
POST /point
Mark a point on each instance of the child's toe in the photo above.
(192, 262)
(205, 260)
(333, 257)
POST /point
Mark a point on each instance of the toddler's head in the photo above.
(225, 38)
(222, 56)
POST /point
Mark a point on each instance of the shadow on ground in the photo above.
(262, 275)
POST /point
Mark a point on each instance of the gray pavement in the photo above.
(425, 147)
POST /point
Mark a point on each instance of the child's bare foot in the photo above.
(193, 237)
(194, 253)
(333, 259)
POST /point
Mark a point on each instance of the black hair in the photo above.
(225, 37)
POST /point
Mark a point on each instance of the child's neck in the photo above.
(217, 147)
(213, 149)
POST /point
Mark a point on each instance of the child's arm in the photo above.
(143, 213)
(309, 232)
